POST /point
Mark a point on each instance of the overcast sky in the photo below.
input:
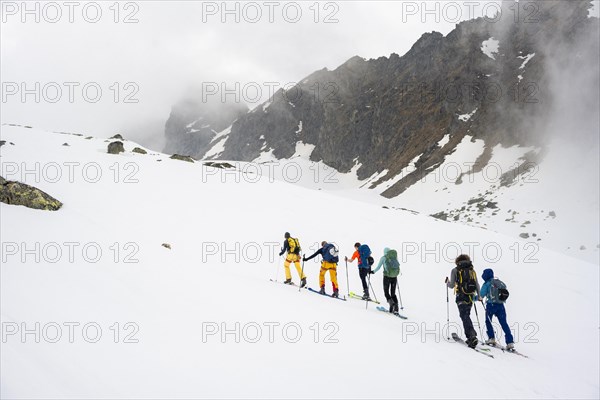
(168, 46)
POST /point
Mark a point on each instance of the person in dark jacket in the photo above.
(292, 246)
(460, 276)
(494, 306)
(329, 263)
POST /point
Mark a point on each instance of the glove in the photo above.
(345, 258)
(371, 272)
(303, 258)
(280, 254)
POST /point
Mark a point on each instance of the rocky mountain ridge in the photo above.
(384, 115)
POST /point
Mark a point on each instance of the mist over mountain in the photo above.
(515, 96)
(193, 123)
(382, 113)
(144, 240)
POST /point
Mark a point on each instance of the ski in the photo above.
(328, 295)
(514, 352)
(387, 311)
(357, 297)
(286, 284)
(480, 347)
(485, 352)
(505, 350)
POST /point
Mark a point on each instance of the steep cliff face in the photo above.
(383, 114)
(194, 123)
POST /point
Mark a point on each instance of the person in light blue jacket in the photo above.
(494, 306)
(391, 270)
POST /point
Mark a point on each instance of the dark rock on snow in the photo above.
(139, 150)
(116, 148)
(17, 193)
(182, 158)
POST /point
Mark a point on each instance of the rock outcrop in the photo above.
(21, 194)
(193, 124)
(115, 147)
(381, 114)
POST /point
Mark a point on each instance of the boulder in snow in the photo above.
(20, 194)
(182, 158)
(115, 148)
(139, 150)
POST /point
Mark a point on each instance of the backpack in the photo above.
(365, 256)
(330, 253)
(393, 266)
(466, 279)
(498, 291)
(294, 246)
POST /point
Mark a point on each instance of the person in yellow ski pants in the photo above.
(292, 246)
(332, 268)
(329, 252)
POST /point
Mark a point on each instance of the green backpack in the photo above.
(392, 264)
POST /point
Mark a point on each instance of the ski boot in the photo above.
(510, 347)
(396, 310)
(322, 291)
(288, 282)
(491, 342)
(335, 293)
(303, 282)
(366, 296)
(472, 342)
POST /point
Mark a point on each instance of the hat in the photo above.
(462, 257)
(287, 235)
(487, 274)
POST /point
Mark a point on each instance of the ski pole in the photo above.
(447, 311)
(347, 281)
(477, 315)
(399, 295)
(369, 284)
(277, 271)
(301, 275)
(489, 318)
(372, 291)
(369, 297)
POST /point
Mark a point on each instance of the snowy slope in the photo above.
(548, 204)
(173, 296)
(553, 206)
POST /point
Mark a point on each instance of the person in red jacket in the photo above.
(363, 270)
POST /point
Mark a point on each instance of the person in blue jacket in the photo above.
(495, 307)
